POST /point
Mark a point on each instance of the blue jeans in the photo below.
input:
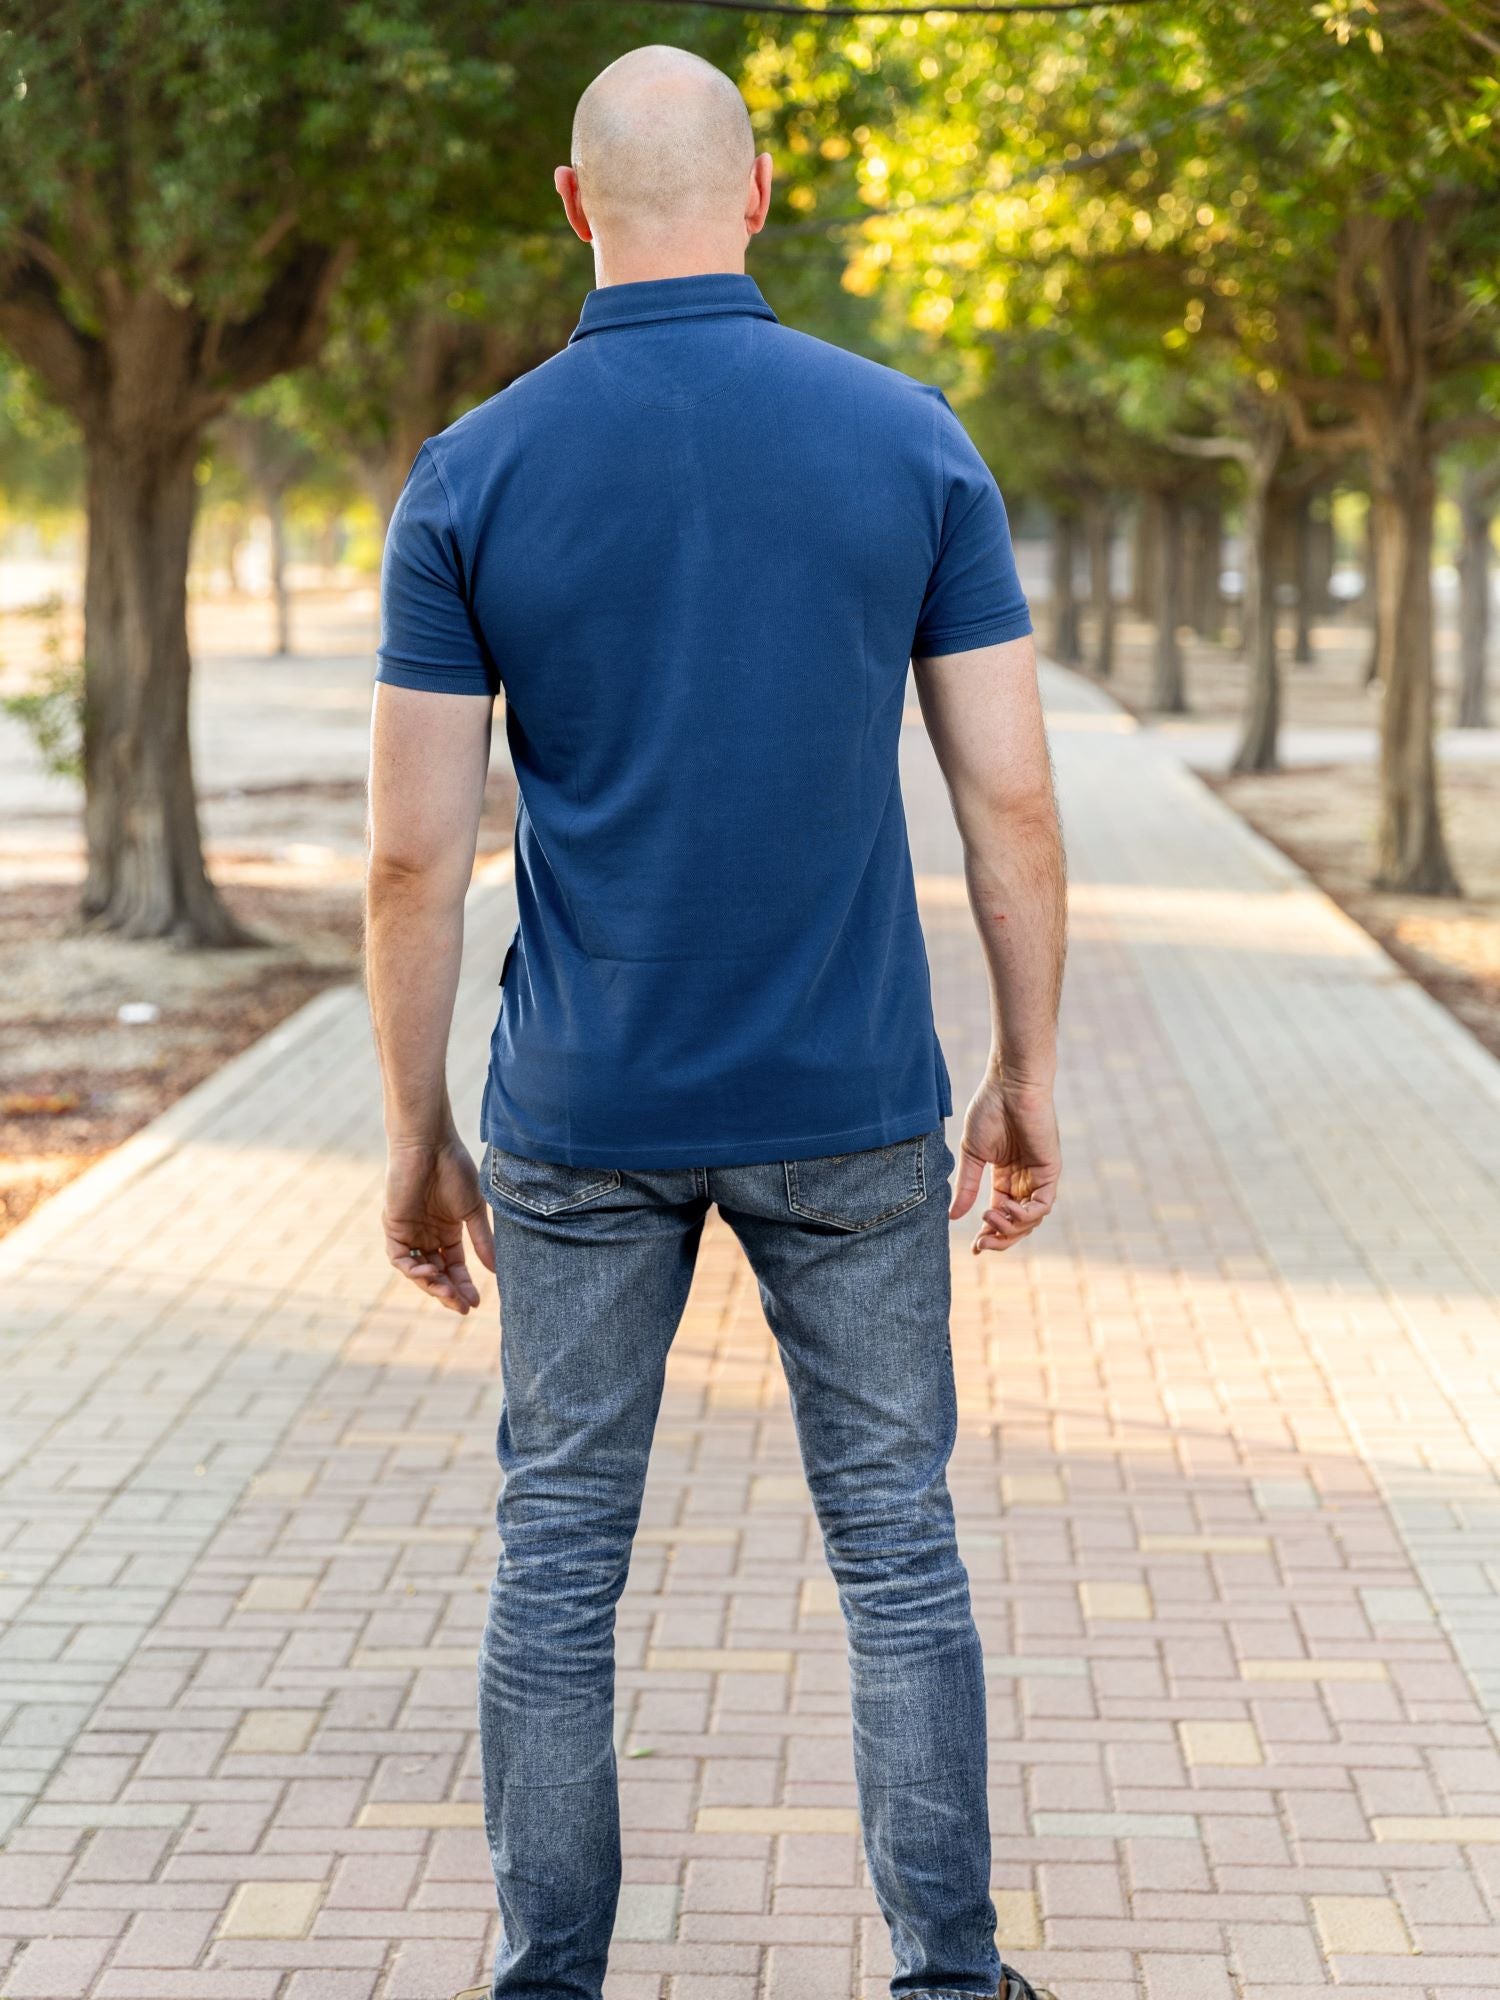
(594, 1266)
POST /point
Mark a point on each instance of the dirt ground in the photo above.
(1324, 815)
(76, 1079)
(280, 747)
(1333, 692)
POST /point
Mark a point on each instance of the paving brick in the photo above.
(1459, 1830)
(277, 1593)
(1019, 1925)
(647, 1910)
(272, 1910)
(1228, 1743)
(1241, 1643)
(55, 1968)
(1361, 1924)
(1115, 1600)
(327, 1985)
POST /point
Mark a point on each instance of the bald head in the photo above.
(661, 142)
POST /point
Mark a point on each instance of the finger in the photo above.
(433, 1273)
(1030, 1207)
(441, 1286)
(970, 1173)
(482, 1235)
(989, 1239)
(461, 1280)
(1002, 1227)
(444, 1296)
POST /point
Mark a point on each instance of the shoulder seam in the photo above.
(463, 555)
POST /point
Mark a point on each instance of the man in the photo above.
(697, 551)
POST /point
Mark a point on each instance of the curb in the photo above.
(145, 1150)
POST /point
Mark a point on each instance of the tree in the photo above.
(262, 435)
(1478, 493)
(1324, 184)
(184, 184)
(396, 369)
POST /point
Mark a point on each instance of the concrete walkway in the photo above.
(1227, 1480)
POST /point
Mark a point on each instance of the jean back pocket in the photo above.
(541, 1185)
(856, 1190)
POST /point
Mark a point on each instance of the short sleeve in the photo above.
(974, 596)
(428, 638)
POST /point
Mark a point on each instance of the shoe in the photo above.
(1016, 1986)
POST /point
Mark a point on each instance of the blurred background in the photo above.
(1215, 287)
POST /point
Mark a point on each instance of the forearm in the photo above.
(1013, 863)
(414, 930)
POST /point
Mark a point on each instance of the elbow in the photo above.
(405, 875)
(1016, 817)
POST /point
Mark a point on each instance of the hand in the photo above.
(432, 1195)
(1014, 1130)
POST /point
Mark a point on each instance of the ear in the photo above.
(565, 180)
(758, 195)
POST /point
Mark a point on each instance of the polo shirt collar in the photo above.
(712, 295)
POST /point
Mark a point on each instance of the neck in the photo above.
(638, 263)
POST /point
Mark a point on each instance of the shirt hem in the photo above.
(433, 680)
(704, 1153)
(967, 639)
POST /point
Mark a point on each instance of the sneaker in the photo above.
(1016, 1986)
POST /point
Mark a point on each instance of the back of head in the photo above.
(661, 141)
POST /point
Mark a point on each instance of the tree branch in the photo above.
(1239, 449)
(1454, 430)
(1464, 27)
(1332, 438)
(286, 329)
(1347, 392)
(35, 326)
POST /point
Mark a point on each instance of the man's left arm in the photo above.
(429, 757)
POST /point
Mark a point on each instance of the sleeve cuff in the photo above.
(969, 638)
(434, 680)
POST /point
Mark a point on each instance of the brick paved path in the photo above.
(1227, 1481)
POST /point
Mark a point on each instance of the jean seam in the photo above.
(918, 1194)
(608, 1181)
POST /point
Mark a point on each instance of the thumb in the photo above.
(482, 1236)
(970, 1174)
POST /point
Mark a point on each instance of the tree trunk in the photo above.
(1412, 853)
(1065, 648)
(234, 541)
(1321, 555)
(145, 859)
(275, 507)
(1205, 562)
(1372, 592)
(1168, 692)
(1476, 505)
(1101, 532)
(1262, 531)
(1299, 530)
(330, 546)
(1143, 557)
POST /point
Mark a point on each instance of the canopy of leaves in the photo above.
(195, 149)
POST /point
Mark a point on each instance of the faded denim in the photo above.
(594, 1265)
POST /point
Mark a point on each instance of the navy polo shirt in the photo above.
(697, 551)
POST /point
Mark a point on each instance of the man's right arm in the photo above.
(984, 715)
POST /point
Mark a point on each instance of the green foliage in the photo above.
(41, 470)
(51, 710)
(204, 150)
(1167, 192)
